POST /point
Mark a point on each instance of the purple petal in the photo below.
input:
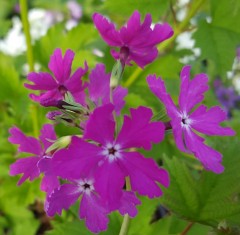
(118, 95)
(128, 204)
(27, 167)
(76, 86)
(210, 158)
(81, 154)
(42, 81)
(107, 30)
(143, 58)
(100, 125)
(158, 88)
(99, 86)
(144, 174)
(191, 91)
(138, 130)
(49, 98)
(61, 66)
(61, 198)
(132, 28)
(47, 136)
(26, 144)
(110, 181)
(49, 183)
(178, 133)
(208, 121)
(92, 210)
(160, 33)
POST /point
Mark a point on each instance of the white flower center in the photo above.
(186, 121)
(86, 185)
(112, 151)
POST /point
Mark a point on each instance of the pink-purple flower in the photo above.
(113, 158)
(100, 90)
(92, 207)
(29, 166)
(137, 42)
(188, 120)
(53, 89)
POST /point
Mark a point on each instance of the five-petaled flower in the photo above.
(54, 89)
(186, 120)
(137, 42)
(29, 166)
(110, 157)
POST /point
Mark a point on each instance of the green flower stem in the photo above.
(126, 219)
(181, 27)
(185, 231)
(26, 29)
(30, 59)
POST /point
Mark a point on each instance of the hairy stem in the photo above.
(188, 227)
(181, 27)
(26, 29)
(126, 219)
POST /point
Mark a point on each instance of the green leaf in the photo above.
(219, 38)
(127, 7)
(207, 198)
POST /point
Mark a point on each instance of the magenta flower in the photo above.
(110, 157)
(187, 120)
(29, 166)
(99, 89)
(137, 42)
(92, 207)
(54, 89)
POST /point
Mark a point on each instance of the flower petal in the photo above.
(27, 167)
(92, 209)
(100, 126)
(47, 136)
(42, 81)
(76, 86)
(144, 174)
(81, 154)
(208, 121)
(118, 98)
(61, 198)
(110, 181)
(143, 58)
(61, 66)
(49, 183)
(107, 30)
(99, 86)
(158, 88)
(128, 204)
(191, 91)
(210, 158)
(138, 130)
(26, 144)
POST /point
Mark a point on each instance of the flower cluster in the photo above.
(102, 165)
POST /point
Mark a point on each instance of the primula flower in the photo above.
(137, 42)
(92, 207)
(54, 89)
(110, 157)
(189, 119)
(99, 89)
(37, 148)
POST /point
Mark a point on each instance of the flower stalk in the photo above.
(26, 29)
(126, 219)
